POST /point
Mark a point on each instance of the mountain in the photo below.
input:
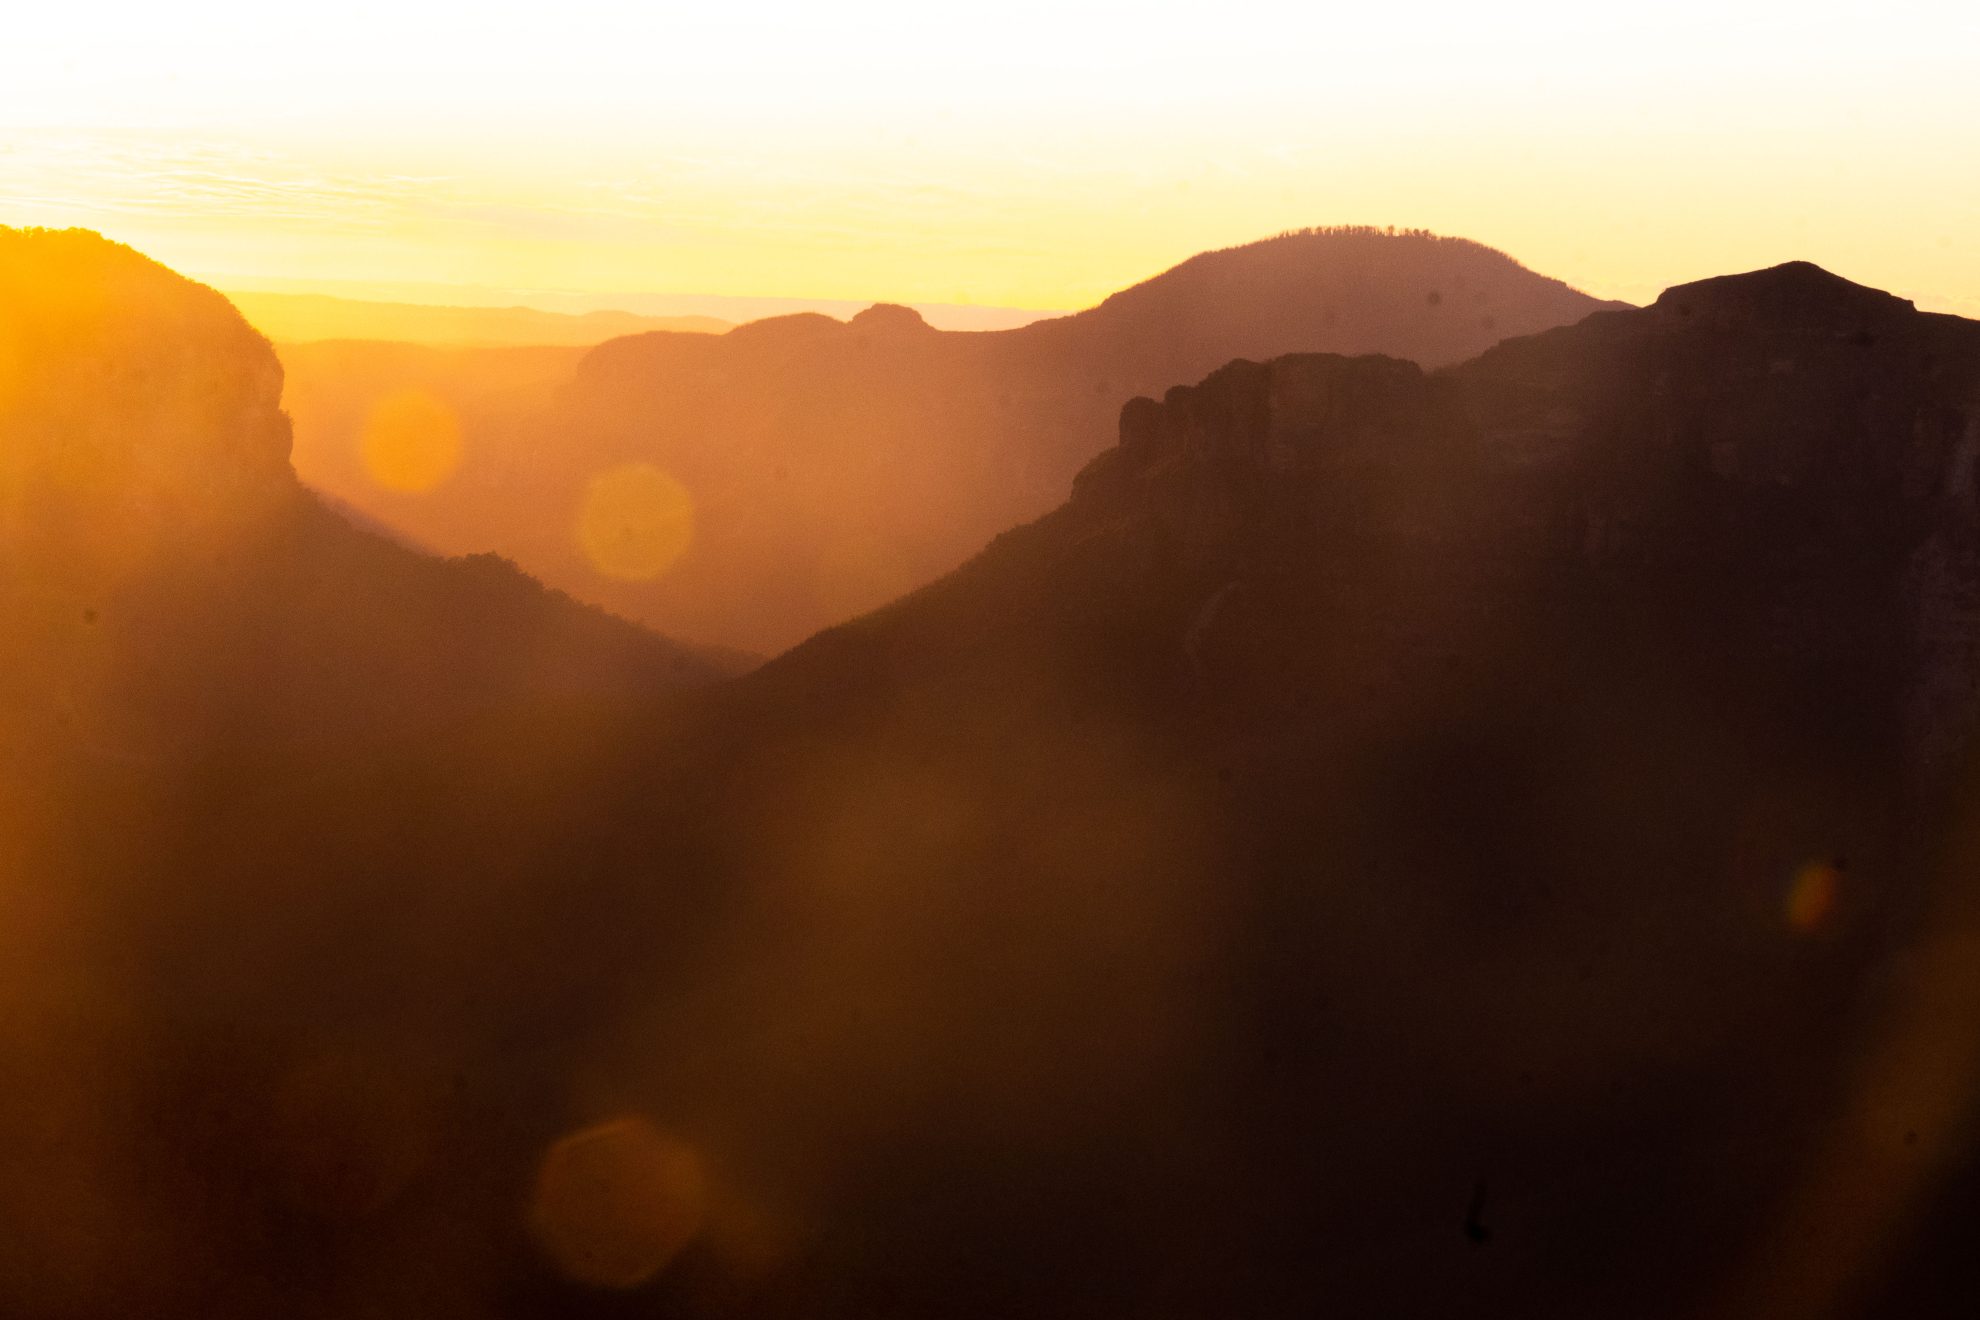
(312, 317)
(1414, 295)
(1492, 840)
(276, 795)
(1495, 840)
(157, 539)
(832, 465)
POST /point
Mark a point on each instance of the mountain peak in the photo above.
(1354, 254)
(72, 289)
(796, 327)
(1795, 291)
(890, 318)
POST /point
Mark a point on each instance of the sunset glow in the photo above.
(992, 155)
(1061, 658)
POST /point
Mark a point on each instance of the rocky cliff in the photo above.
(135, 404)
(1788, 455)
(160, 555)
(261, 775)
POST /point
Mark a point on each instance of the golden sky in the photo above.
(1019, 153)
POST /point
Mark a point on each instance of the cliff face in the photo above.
(273, 792)
(162, 572)
(133, 404)
(1788, 378)
(1783, 459)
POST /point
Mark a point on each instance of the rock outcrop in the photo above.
(157, 553)
(1793, 452)
(134, 404)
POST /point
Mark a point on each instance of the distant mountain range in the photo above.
(310, 317)
(730, 309)
(833, 465)
(1496, 839)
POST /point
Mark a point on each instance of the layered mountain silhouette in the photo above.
(1490, 840)
(1486, 840)
(834, 465)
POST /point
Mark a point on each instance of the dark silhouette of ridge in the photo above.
(837, 464)
(1440, 299)
(1795, 291)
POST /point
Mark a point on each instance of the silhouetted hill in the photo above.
(1431, 299)
(833, 465)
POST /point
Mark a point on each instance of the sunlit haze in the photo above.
(1019, 154)
(1061, 659)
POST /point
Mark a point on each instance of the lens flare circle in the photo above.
(411, 442)
(616, 1203)
(1811, 898)
(636, 522)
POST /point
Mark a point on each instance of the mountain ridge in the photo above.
(835, 464)
(1526, 785)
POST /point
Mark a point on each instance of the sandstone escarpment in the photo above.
(159, 559)
(135, 405)
(1790, 456)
